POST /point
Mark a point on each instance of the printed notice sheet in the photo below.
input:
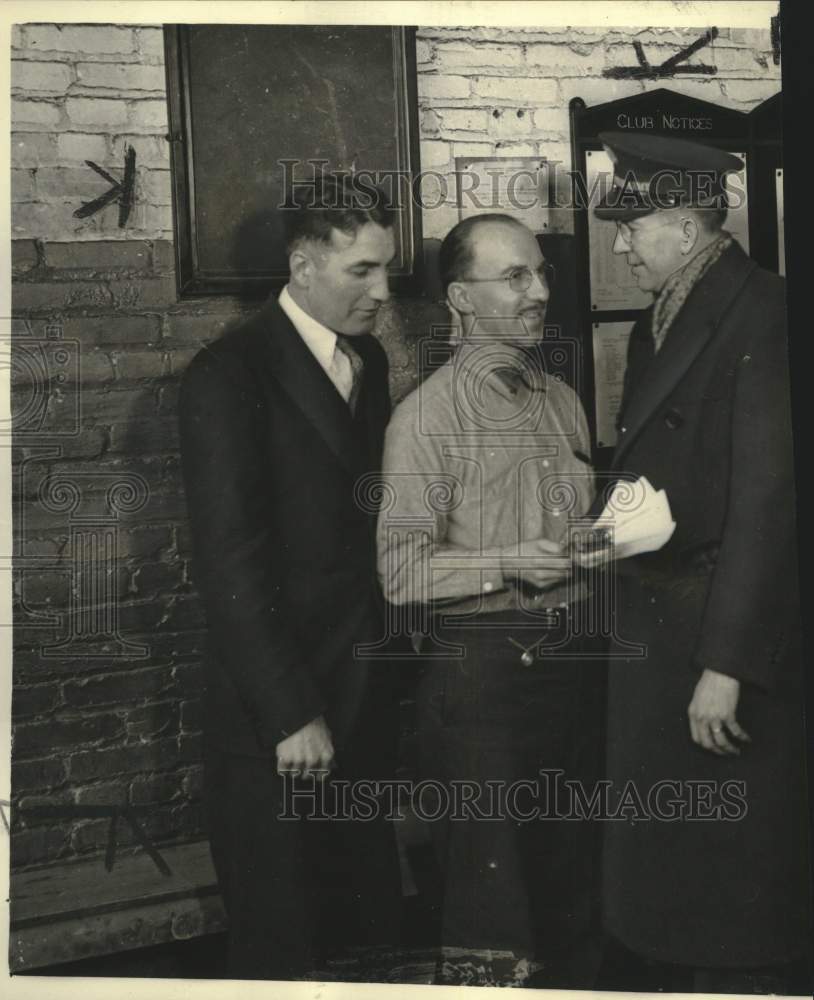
(610, 361)
(612, 284)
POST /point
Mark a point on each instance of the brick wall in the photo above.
(112, 716)
(82, 92)
(505, 91)
(97, 722)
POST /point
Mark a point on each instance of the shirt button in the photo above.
(487, 586)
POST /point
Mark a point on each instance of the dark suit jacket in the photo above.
(708, 420)
(284, 551)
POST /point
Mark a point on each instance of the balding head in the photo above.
(457, 254)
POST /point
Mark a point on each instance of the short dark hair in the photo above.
(457, 251)
(313, 209)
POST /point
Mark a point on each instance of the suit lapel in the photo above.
(302, 379)
(692, 330)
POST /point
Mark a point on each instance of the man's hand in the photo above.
(712, 713)
(309, 749)
(551, 564)
(592, 550)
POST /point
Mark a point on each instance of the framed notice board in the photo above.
(252, 108)
(609, 300)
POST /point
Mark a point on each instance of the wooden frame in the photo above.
(194, 276)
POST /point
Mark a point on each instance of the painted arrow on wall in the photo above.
(670, 67)
(120, 191)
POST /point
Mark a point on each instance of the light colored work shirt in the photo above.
(475, 461)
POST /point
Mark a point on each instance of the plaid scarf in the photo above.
(679, 285)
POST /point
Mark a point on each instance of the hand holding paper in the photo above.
(645, 525)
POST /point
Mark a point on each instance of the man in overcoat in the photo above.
(711, 874)
(280, 419)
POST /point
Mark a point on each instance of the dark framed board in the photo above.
(252, 108)
(608, 299)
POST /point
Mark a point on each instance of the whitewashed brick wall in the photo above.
(88, 91)
(505, 91)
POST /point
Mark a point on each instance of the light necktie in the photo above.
(347, 369)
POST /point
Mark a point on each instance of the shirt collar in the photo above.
(504, 376)
(318, 338)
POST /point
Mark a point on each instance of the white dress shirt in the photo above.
(321, 342)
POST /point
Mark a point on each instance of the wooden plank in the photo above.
(80, 910)
(36, 946)
(85, 888)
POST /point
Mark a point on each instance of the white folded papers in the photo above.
(637, 519)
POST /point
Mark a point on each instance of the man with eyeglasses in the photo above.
(718, 893)
(483, 464)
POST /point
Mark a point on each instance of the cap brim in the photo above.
(621, 213)
(668, 152)
(621, 204)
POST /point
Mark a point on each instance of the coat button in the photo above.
(673, 419)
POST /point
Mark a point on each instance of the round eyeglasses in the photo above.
(520, 278)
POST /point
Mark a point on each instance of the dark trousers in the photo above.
(511, 882)
(297, 889)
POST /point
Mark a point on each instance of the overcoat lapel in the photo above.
(303, 380)
(692, 330)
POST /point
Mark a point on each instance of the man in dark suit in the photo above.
(280, 419)
(715, 883)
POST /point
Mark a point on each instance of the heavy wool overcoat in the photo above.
(713, 870)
